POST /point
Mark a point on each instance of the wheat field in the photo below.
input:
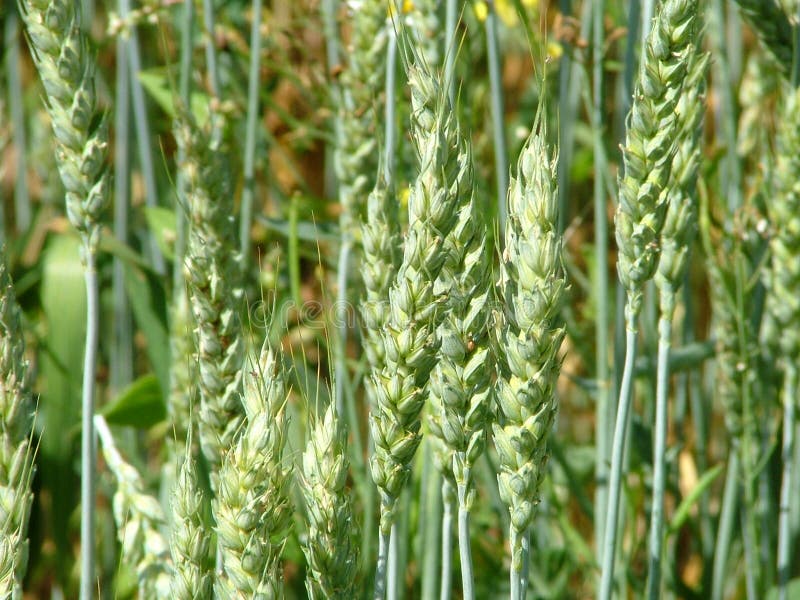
(400, 299)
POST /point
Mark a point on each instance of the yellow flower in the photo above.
(554, 49)
(404, 194)
(505, 9)
(481, 10)
(406, 6)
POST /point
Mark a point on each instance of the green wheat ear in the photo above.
(253, 510)
(212, 274)
(67, 67)
(16, 453)
(783, 276)
(533, 289)
(773, 28)
(649, 147)
(409, 337)
(331, 548)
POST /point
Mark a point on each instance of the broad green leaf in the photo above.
(140, 405)
(162, 224)
(63, 299)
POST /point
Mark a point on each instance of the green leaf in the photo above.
(156, 83)
(63, 300)
(682, 513)
(140, 405)
(792, 591)
(146, 295)
(162, 224)
(306, 231)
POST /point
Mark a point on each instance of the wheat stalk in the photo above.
(253, 510)
(732, 262)
(677, 236)
(459, 388)
(356, 156)
(16, 453)
(330, 549)
(66, 67)
(533, 287)
(652, 128)
(409, 337)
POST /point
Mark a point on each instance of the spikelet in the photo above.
(212, 272)
(252, 509)
(16, 454)
(380, 235)
(649, 146)
(459, 408)
(331, 548)
(189, 542)
(409, 337)
(139, 518)
(356, 156)
(66, 66)
(533, 289)
(772, 27)
(680, 224)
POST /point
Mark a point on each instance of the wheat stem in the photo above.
(88, 458)
(467, 577)
(659, 449)
(121, 359)
(211, 48)
(727, 519)
(248, 192)
(787, 454)
(380, 570)
(498, 112)
(603, 408)
(447, 540)
(615, 478)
